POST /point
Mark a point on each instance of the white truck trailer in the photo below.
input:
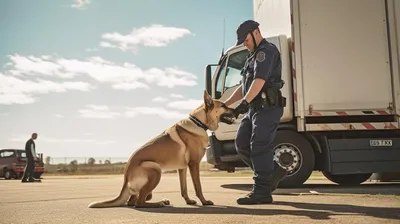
(340, 64)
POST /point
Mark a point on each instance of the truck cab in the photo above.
(225, 80)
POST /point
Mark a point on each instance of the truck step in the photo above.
(230, 158)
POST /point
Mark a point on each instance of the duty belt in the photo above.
(269, 98)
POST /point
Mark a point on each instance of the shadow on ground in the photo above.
(231, 210)
(372, 189)
(311, 210)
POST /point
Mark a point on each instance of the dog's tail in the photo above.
(120, 200)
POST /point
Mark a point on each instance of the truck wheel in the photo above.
(8, 174)
(347, 179)
(294, 153)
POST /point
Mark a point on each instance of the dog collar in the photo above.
(198, 123)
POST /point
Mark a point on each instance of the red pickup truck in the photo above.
(13, 161)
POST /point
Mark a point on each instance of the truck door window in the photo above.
(236, 62)
(6, 154)
(220, 77)
(21, 154)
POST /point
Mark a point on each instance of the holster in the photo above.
(273, 98)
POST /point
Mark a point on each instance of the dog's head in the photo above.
(215, 112)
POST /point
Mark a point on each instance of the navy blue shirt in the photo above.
(264, 63)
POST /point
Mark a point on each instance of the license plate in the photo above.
(380, 143)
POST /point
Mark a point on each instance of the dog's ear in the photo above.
(208, 101)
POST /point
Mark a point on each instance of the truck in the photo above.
(340, 65)
(13, 162)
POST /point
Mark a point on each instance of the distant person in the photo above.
(262, 104)
(31, 156)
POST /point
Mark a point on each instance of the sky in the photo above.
(98, 78)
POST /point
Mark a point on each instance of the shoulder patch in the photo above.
(260, 57)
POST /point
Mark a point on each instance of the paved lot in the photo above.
(65, 200)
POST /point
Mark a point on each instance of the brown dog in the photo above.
(177, 148)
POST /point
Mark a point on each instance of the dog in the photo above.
(179, 147)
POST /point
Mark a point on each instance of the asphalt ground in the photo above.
(65, 200)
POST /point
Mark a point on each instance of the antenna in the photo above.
(223, 37)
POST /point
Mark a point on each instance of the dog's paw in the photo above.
(165, 201)
(208, 202)
(191, 202)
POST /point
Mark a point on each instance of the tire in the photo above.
(8, 174)
(293, 152)
(347, 179)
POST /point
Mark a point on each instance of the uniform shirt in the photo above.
(264, 63)
(30, 148)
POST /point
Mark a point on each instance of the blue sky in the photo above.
(100, 78)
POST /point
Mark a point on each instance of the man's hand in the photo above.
(242, 108)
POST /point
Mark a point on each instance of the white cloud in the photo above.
(188, 105)
(154, 111)
(98, 107)
(185, 104)
(58, 115)
(9, 99)
(130, 86)
(18, 91)
(153, 36)
(170, 77)
(123, 76)
(160, 99)
(80, 4)
(176, 95)
(103, 112)
(98, 111)
(36, 65)
(107, 45)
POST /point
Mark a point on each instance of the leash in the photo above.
(198, 123)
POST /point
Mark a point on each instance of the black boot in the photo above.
(253, 199)
(31, 179)
(259, 195)
(278, 175)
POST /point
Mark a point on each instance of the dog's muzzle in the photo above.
(227, 118)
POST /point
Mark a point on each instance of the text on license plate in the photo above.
(380, 143)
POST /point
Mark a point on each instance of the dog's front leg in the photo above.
(183, 183)
(194, 168)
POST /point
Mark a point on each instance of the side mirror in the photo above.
(210, 70)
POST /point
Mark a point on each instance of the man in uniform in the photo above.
(262, 105)
(31, 156)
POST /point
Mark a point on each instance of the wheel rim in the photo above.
(289, 157)
(7, 175)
